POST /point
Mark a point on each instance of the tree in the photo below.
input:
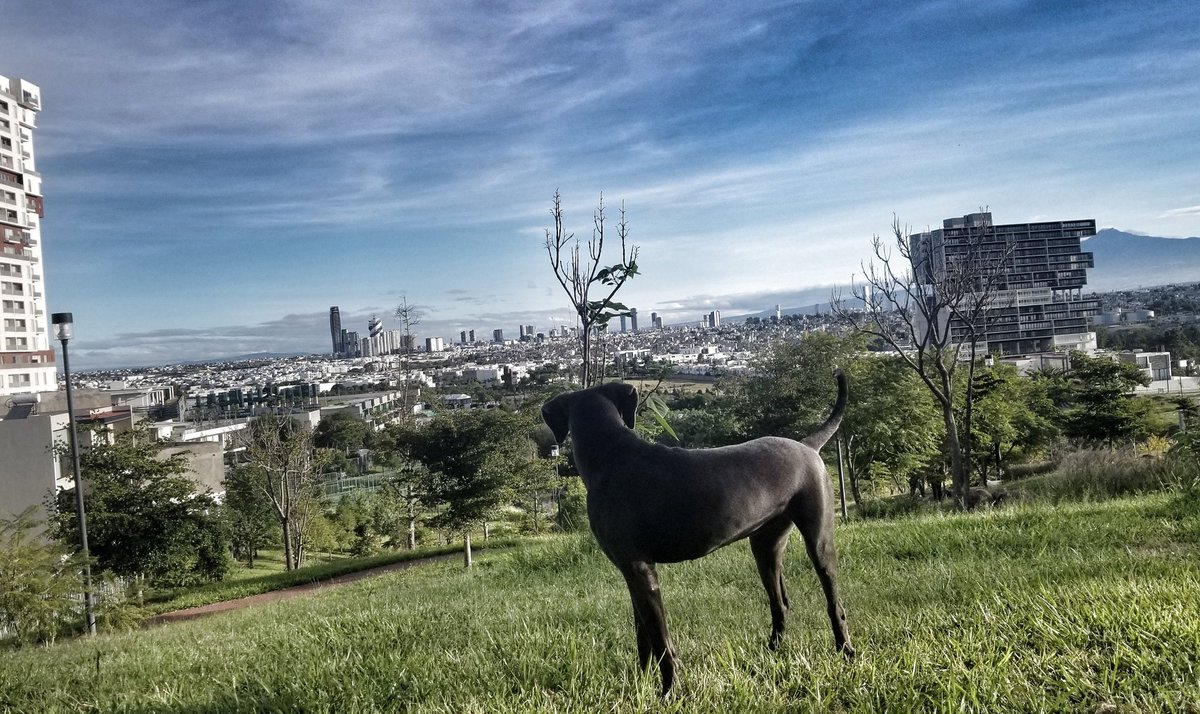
(1101, 408)
(144, 515)
(250, 515)
(929, 308)
(790, 388)
(1011, 412)
(891, 428)
(578, 275)
(280, 457)
(409, 316)
(472, 457)
(407, 475)
(343, 432)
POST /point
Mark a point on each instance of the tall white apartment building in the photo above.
(26, 359)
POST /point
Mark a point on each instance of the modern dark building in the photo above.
(335, 330)
(1039, 304)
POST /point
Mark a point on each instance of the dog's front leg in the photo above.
(647, 603)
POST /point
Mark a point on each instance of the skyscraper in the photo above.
(26, 358)
(633, 318)
(497, 335)
(1038, 304)
(335, 330)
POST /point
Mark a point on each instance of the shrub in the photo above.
(572, 507)
(38, 582)
(119, 606)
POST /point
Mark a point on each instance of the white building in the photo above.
(26, 359)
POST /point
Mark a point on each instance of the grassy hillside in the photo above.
(1063, 608)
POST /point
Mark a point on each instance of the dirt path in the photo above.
(295, 591)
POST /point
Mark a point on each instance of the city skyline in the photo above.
(217, 176)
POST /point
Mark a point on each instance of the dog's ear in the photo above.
(555, 414)
(627, 402)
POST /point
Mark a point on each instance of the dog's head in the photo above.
(557, 412)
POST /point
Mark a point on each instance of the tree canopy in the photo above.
(474, 459)
(144, 515)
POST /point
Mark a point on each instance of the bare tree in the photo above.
(933, 309)
(578, 273)
(409, 316)
(280, 455)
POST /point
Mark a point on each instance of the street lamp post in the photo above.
(63, 330)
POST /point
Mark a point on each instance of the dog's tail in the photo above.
(818, 438)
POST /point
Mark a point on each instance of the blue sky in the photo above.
(217, 174)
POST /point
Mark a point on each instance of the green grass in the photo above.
(268, 575)
(1034, 608)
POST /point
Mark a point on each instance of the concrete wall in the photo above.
(28, 467)
(206, 463)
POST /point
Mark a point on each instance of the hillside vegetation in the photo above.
(1081, 607)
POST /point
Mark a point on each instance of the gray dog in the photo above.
(654, 504)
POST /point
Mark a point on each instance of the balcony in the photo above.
(18, 254)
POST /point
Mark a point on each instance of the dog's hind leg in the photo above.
(647, 602)
(768, 544)
(814, 518)
(643, 640)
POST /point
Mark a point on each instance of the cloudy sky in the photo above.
(217, 174)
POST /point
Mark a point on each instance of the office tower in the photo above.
(529, 332)
(714, 318)
(624, 327)
(1038, 304)
(497, 335)
(778, 316)
(434, 344)
(26, 358)
(462, 337)
(352, 344)
(335, 329)
(633, 319)
(471, 336)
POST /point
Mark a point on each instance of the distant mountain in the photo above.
(1125, 261)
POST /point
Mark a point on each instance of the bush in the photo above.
(119, 607)
(572, 507)
(38, 582)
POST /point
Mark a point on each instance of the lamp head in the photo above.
(63, 326)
